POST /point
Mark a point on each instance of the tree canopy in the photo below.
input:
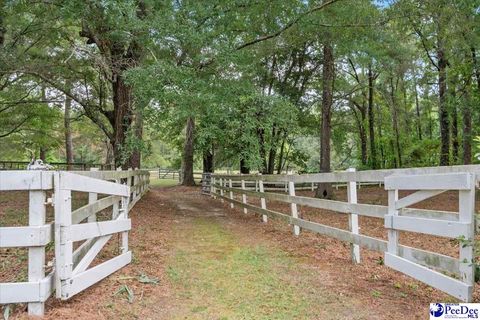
(267, 86)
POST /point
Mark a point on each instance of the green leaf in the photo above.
(125, 290)
(143, 278)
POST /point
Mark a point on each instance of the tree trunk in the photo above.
(417, 109)
(395, 125)
(476, 67)
(243, 167)
(429, 117)
(442, 106)
(371, 119)
(453, 108)
(282, 150)
(380, 138)
(325, 190)
(272, 153)
(68, 134)
(263, 153)
(455, 143)
(208, 161)
(122, 103)
(271, 160)
(467, 123)
(405, 105)
(122, 55)
(363, 137)
(136, 157)
(43, 154)
(109, 157)
(467, 134)
(188, 151)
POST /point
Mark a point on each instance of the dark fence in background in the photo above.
(176, 174)
(168, 174)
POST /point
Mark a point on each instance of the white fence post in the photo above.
(263, 202)
(213, 190)
(147, 182)
(135, 183)
(140, 184)
(466, 202)
(353, 217)
(231, 192)
(92, 197)
(221, 189)
(64, 249)
(244, 197)
(36, 255)
(129, 183)
(124, 212)
(116, 204)
(392, 245)
(293, 207)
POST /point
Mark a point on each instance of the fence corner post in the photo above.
(353, 217)
(293, 207)
(244, 197)
(466, 203)
(36, 255)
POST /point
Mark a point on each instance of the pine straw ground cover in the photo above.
(195, 258)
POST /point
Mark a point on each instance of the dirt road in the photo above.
(195, 258)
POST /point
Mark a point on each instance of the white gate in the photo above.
(72, 265)
(459, 227)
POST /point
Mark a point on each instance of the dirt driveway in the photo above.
(195, 258)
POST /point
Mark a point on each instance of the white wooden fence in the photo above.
(451, 275)
(283, 186)
(70, 274)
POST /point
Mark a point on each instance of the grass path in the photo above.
(218, 273)
(215, 276)
(212, 262)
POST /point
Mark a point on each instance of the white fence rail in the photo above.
(421, 264)
(126, 188)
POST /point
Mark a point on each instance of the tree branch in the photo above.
(288, 25)
(87, 107)
(3, 135)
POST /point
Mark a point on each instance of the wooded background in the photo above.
(252, 85)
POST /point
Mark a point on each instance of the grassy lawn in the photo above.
(215, 275)
(155, 182)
